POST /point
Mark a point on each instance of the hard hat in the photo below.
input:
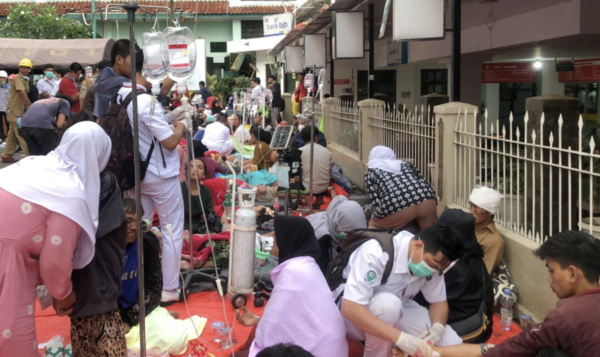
(25, 62)
(3, 74)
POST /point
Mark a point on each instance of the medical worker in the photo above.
(384, 314)
(161, 190)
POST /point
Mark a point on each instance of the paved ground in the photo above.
(16, 156)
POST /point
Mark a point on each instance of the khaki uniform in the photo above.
(16, 106)
(493, 245)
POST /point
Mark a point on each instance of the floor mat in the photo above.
(203, 304)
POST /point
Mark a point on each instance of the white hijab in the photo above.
(383, 158)
(66, 181)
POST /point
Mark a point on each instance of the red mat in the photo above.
(204, 304)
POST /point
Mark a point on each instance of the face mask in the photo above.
(49, 75)
(422, 269)
(2, 82)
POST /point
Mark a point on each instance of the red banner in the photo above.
(585, 71)
(522, 72)
(341, 81)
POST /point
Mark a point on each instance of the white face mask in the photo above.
(300, 127)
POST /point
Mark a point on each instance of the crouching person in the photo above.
(376, 300)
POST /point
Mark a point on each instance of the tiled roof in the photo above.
(210, 7)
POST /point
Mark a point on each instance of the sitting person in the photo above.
(400, 195)
(333, 225)
(323, 164)
(239, 130)
(314, 323)
(382, 314)
(571, 328)
(262, 152)
(163, 331)
(468, 285)
(210, 119)
(484, 204)
(304, 121)
(201, 197)
(216, 136)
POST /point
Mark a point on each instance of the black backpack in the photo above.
(115, 123)
(353, 241)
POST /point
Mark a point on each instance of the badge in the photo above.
(370, 277)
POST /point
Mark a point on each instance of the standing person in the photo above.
(37, 124)
(111, 79)
(299, 93)
(48, 84)
(18, 102)
(382, 313)
(314, 323)
(96, 326)
(205, 92)
(160, 187)
(59, 74)
(69, 86)
(257, 90)
(4, 93)
(399, 193)
(277, 104)
(48, 223)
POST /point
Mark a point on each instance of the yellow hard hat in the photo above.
(25, 62)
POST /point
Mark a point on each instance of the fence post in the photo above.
(327, 105)
(366, 107)
(287, 113)
(446, 117)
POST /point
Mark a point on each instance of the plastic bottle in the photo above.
(506, 311)
(276, 205)
(178, 53)
(89, 72)
(19, 122)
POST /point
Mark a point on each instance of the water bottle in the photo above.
(19, 123)
(506, 311)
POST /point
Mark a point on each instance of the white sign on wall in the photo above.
(280, 24)
(419, 20)
(200, 72)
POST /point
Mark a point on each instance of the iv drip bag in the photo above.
(153, 70)
(178, 53)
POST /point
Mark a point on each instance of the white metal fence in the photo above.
(344, 121)
(550, 178)
(411, 136)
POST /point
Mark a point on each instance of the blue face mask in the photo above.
(422, 269)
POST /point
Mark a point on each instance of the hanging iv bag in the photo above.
(178, 53)
(153, 70)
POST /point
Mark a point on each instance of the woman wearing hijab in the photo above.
(332, 226)
(48, 223)
(300, 310)
(399, 194)
(262, 151)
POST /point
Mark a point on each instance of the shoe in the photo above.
(9, 160)
(169, 297)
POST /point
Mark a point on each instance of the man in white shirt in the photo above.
(48, 84)
(322, 163)
(160, 187)
(382, 314)
(258, 91)
(217, 136)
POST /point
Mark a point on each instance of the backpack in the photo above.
(353, 241)
(115, 123)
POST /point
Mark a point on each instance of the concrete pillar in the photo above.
(365, 108)
(546, 202)
(492, 105)
(429, 101)
(550, 83)
(287, 113)
(446, 117)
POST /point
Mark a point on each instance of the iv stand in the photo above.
(312, 143)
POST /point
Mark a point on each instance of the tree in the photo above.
(29, 20)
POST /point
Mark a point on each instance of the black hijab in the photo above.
(295, 237)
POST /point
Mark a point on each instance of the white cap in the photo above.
(486, 198)
(3, 74)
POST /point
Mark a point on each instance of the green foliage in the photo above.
(224, 88)
(29, 20)
(211, 80)
(242, 83)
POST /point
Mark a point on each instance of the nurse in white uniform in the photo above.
(382, 315)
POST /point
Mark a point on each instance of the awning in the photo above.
(317, 24)
(56, 52)
(253, 44)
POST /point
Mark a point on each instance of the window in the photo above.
(252, 29)
(218, 47)
(434, 81)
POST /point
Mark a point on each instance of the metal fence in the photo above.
(344, 121)
(548, 171)
(411, 136)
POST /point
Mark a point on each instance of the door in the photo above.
(362, 87)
